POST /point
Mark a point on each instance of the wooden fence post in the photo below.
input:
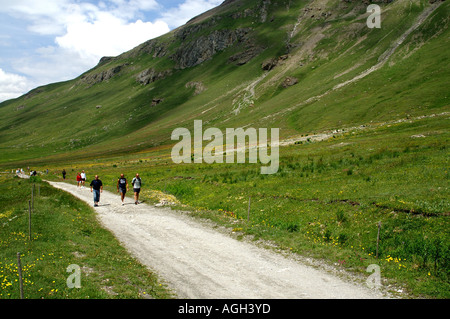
(32, 196)
(19, 268)
(29, 219)
(248, 211)
(378, 236)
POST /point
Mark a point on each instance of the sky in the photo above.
(48, 41)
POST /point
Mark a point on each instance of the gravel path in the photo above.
(197, 261)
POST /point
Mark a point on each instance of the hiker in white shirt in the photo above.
(83, 178)
(136, 182)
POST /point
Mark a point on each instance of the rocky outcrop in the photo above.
(156, 101)
(197, 50)
(204, 47)
(94, 78)
(199, 87)
(245, 56)
(260, 11)
(154, 47)
(263, 10)
(106, 59)
(150, 75)
(289, 81)
(269, 64)
(183, 34)
(243, 14)
(33, 93)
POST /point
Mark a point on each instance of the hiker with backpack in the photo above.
(122, 187)
(136, 182)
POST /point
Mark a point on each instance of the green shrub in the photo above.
(341, 217)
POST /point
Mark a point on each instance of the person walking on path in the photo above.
(83, 179)
(136, 182)
(78, 180)
(122, 186)
(96, 188)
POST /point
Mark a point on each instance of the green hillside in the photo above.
(227, 67)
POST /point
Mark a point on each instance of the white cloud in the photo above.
(52, 64)
(82, 31)
(130, 9)
(108, 35)
(45, 17)
(87, 29)
(52, 17)
(109, 27)
(12, 85)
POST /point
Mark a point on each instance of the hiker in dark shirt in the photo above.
(122, 186)
(64, 173)
(96, 188)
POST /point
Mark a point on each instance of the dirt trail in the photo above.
(197, 261)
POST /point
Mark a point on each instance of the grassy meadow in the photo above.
(64, 232)
(326, 200)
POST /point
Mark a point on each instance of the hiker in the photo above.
(122, 186)
(136, 182)
(64, 174)
(78, 179)
(83, 179)
(96, 188)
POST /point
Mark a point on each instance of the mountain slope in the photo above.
(302, 66)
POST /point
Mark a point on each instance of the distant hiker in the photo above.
(64, 174)
(83, 179)
(78, 179)
(96, 188)
(122, 186)
(136, 182)
(47, 171)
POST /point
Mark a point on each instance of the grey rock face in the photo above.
(102, 76)
(204, 47)
(150, 75)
